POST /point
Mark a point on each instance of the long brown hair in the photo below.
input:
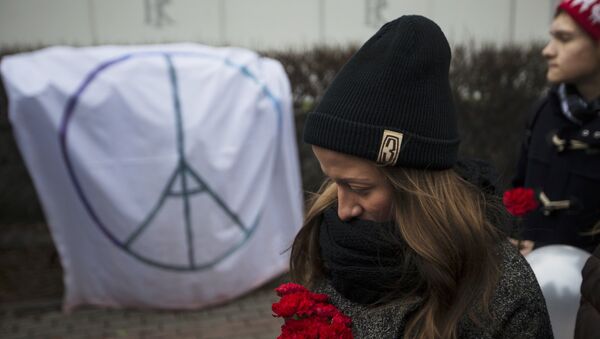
(452, 246)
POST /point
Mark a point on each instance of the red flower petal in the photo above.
(289, 288)
(520, 201)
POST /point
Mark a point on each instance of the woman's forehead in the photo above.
(340, 166)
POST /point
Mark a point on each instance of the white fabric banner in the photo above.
(168, 174)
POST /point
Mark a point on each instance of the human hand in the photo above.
(524, 246)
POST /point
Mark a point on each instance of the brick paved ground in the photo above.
(30, 302)
(247, 317)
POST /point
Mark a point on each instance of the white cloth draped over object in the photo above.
(168, 174)
(558, 271)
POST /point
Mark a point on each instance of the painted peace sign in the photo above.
(183, 188)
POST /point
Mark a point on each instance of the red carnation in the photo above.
(520, 201)
(288, 305)
(326, 311)
(309, 315)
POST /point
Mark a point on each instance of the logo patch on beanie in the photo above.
(389, 149)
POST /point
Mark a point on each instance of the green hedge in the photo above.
(493, 89)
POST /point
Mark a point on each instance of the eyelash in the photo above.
(359, 191)
(562, 37)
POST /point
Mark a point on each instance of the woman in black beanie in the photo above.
(405, 239)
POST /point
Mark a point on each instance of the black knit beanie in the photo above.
(391, 103)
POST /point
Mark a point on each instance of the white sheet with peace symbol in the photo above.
(168, 174)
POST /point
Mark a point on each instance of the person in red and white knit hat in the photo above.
(560, 156)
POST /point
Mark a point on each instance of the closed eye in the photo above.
(562, 36)
(353, 186)
(359, 190)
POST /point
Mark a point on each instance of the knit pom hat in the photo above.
(586, 13)
(391, 103)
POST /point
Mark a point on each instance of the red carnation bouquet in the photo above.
(520, 201)
(309, 315)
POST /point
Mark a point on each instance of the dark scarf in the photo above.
(574, 107)
(364, 260)
(360, 259)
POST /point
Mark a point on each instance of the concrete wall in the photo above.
(261, 24)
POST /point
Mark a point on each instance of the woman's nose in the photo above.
(348, 207)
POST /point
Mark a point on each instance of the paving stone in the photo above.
(248, 317)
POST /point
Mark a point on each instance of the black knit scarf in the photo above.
(361, 261)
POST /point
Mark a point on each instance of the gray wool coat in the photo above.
(518, 308)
